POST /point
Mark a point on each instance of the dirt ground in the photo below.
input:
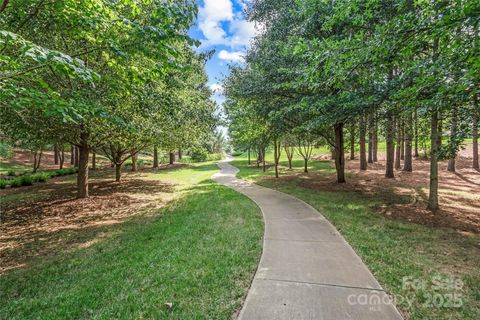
(405, 197)
(25, 158)
(47, 217)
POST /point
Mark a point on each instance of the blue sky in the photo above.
(221, 26)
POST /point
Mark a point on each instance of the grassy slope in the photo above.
(391, 249)
(199, 253)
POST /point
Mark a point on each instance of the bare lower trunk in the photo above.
(408, 164)
(434, 137)
(389, 136)
(77, 157)
(94, 161)
(179, 154)
(155, 157)
(453, 133)
(339, 153)
(289, 152)
(72, 155)
(134, 161)
(62, 157)
(397, 147)
(172, 158)
(375, 139)
(249, 159)
(402, 140)
(37, 158)
(475, 135)
(352, 142)
(363, 156)
(118, 172)
(276, 155)
(263, 160)
(370, 139)
(415, 119)
(82, 177)
(305, 165)
(55, 154)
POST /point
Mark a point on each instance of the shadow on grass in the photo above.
(199, 253)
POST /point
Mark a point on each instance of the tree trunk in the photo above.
(398, 146)
(55, 154)
(77, 157)
(94, 160)
(72, 155)
(172, 158)
(263, 159)
(402, 140)
(61, 156)
(82, 177)
(179, 154)
(363, 156)
(305, 165)
(352, 142)
(370, 139)
(389, 137)
(408, 165)
(118, 172)
(375, 138)
(339, 153)
(289, 152)
(134, 161)
(453, 133)
(276, 155)
(249, 160)
(37, 158)
(434, 137)
(476, 112)
(415, 120)
(155, 157)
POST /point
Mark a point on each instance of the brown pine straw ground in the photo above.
(41, 219)
(405, 197)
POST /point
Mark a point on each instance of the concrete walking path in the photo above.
(307, 269)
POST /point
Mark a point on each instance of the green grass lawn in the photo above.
(393, 249)
(199, 253)
(6, 166)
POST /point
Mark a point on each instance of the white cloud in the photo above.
(216, 88)
(215, 12)
(242, 32)
(235, 56)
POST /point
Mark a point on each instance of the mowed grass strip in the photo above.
(428, 258)
(199, 254)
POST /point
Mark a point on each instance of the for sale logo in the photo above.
(437, 292)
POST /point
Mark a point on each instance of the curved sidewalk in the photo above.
(307, 269)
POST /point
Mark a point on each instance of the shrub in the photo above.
(40, 177)
(237, 153)
(11, 173)
(3, 183)
(14, 183)
(215, 157)
(26, 180)
(199, 155)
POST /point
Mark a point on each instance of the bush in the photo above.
(199, 155)
(40, 177)
(11, 173)
(237, 153)
(3, 183)
(26, 180)
(215, 157)
(14, 183)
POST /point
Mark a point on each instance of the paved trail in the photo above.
(307, 269)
